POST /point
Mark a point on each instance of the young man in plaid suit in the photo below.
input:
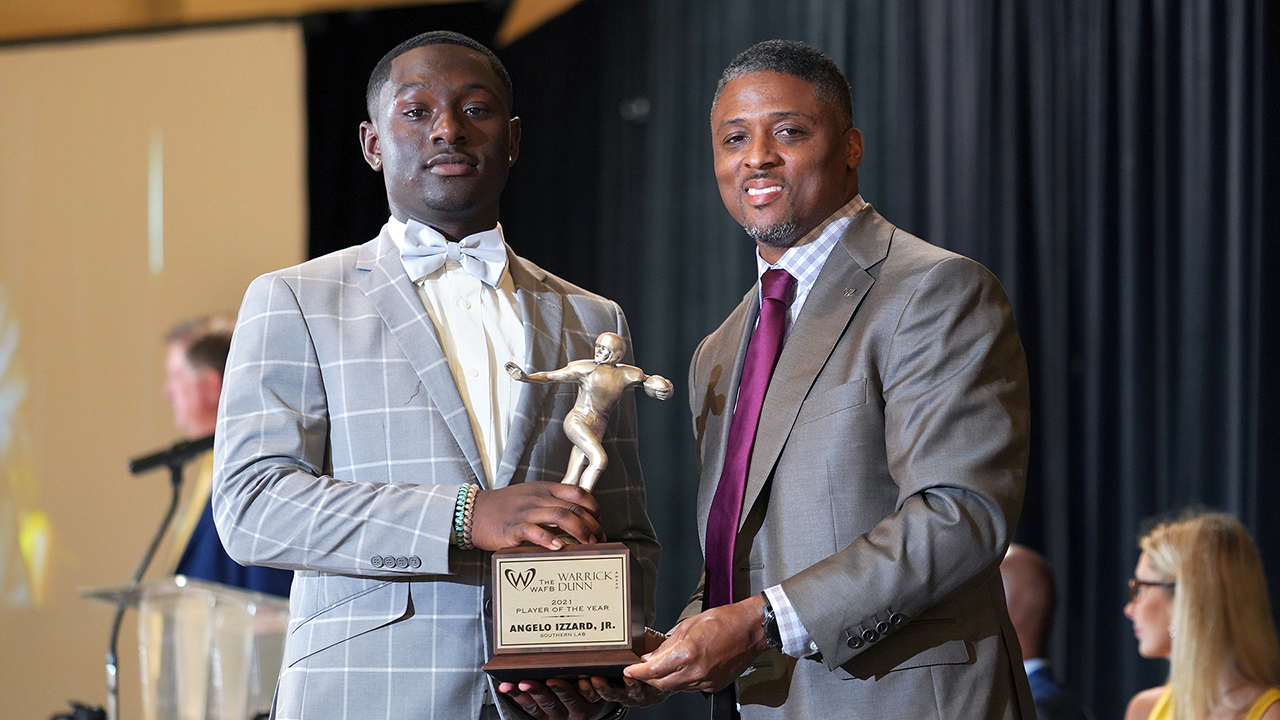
(369, 438)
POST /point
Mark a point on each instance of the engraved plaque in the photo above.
(570, 613)
(562, 601)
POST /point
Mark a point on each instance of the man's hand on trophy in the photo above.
(708, 651)
(512, 515)
(656, 386)
(554, 699)
(515, 371)
(631, 692)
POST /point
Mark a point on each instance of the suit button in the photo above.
(376, 561)
(402, 563)
(415, 562)
(897, 618)
(882, 627)
(870, 635)
(854, 642)
(488, 606)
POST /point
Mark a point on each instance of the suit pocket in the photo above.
(378, 604)
(951, 652)
(829, 402)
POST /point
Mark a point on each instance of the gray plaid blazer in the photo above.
(342, 441)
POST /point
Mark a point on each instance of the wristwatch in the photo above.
(772, 635)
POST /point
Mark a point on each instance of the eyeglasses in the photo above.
(1136, 585)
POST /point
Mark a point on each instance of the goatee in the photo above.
(780, 235)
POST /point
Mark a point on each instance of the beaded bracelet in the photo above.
(463, 510)
(467, 516)
(459, 510)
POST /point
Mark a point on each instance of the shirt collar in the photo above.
(1033, 664)
(804, 260)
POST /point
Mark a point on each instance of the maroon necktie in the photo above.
(726, 507)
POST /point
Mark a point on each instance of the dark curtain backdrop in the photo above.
(348, 201)
(1115, 163)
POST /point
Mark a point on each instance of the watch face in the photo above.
(772, 635)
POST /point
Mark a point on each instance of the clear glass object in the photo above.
(207, 651)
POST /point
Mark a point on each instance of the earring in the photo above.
(377, 161)
(1172, 633)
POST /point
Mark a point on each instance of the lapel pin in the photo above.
(850, 292)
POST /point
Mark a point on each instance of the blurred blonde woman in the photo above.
(1198, 597)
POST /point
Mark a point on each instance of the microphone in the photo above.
(174, 456)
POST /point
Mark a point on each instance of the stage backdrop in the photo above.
(1114, 162)
(143, 179)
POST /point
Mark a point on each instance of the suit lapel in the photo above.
(836, 294)
(542, 312)
(394, 297)
(730, 341)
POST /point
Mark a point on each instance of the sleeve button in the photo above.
(376, 561)
(415, 562)
(870, 635)
(854, 642)
(882, 627)
(897, 618)
(402, 563)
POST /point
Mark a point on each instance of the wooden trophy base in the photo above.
(570, 613)
(568, 665)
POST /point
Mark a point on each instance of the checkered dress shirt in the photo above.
(804, 261)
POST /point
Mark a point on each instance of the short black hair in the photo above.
(382, 71)
(792, 57)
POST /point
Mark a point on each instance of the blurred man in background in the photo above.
(1030, 594)
(195, 358)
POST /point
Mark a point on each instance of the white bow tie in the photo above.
(482, 255)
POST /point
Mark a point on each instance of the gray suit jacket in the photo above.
(885, 481)
(342, 441)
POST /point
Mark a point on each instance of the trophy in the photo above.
(577, 611)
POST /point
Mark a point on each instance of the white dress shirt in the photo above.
(480, 331)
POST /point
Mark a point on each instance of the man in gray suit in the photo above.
(857, 572)
(369, 438)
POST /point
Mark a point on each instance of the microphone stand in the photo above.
(174, 458)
